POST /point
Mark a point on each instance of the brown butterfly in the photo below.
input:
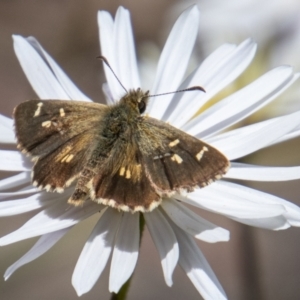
(117, 156)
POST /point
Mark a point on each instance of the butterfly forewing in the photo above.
(58, 136)
(179, 161)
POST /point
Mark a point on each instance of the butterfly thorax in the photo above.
(125, 115)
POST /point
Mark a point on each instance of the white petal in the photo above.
(58, 216)
(291, 135)
(69, 87)
(7, 135)
(213, 75)
(240, 142)
(193, 262)
(165, 242)
(38, 73)
(242, 103)
(106, 33)
(262, 173)
(125, 253)
(194, 224)
(174, 59)
(274, 223)
(6, 128)
(124, 50)
(7, 122)
(107, 93)
(96, 251)
(117, 45)
(14, 181)
(13, 161)
(24, 192)
(232, 203)
(15, 207)
(40, 247)
(291, 211)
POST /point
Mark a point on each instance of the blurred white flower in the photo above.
(173, 226)
(275, 25)
(233, 20)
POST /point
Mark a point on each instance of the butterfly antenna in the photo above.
(193, 88)
(107, 63)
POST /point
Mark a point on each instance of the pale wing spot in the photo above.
(35, 183)
(201, 152)
(177, 158)
(218, 176)
(64, 159)
(122, 171)
(199, 155)
(38, 110)
(62, 156)
(174, 143)
(62, 112)
(70, 157)
(67, 158)
(46, 124)
(128, 174)
(137, 171)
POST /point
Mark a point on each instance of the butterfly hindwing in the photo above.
(122, 181)
(58, 137)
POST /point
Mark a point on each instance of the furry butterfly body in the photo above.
(116, 156)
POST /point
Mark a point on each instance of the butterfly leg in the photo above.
(83, 187)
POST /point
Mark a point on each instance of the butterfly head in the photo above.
(136, 100)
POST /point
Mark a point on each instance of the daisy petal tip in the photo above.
(78, 289)
(114, 288)
(214, 236)
(17, 37)
(169, 281)
(194, 9)
(7, 275)
(122, 9)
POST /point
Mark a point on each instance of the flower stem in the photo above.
(122, 294)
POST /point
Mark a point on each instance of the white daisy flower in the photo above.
(172, 225)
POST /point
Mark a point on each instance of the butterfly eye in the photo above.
(142, 106)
